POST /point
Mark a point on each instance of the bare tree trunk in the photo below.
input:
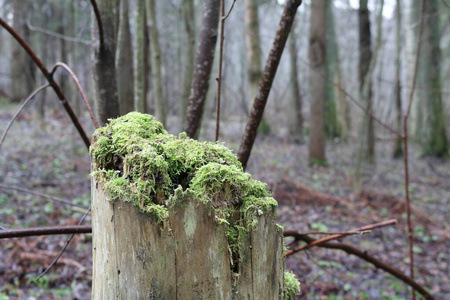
(139, 59)
(103, 57)
(265, 83)
(22, 67)
(317, 81)
(203, 65)
(398, 146)
(430, 123)
(157, 84)
(189, 26)
(254, 60)
(124, 62)
(296, 122)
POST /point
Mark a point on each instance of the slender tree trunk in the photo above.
(124, 62)
(332, 125)
(254, 59)
(398, 146)
(189, 54)
(157, 83)
(296, 122)
(203, 65)
(103, 57)
(429, 111)
(317, 81)
(139, 65)
(265, 84)
(367, 136)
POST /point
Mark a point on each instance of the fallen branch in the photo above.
(336, 236)
(47, 230)
(363, 255)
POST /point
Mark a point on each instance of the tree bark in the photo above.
(157, 82)
(103, 57)
(124, 62)
(203, 65)
(265, 83)
(317, 81)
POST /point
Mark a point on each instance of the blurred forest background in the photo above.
(329, 165)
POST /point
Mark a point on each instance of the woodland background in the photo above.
(330, 166)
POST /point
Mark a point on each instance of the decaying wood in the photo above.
(185, 257)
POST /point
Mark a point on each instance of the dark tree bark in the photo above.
(103, 58)
(203, 65)
(265, 84)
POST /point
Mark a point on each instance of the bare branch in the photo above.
(58, 35)
(24, 104)
(80, 89)
(50, 80)
(99, 21)
(229, 11)
(47, 230)
(365, 256)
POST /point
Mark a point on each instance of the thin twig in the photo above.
(336, 236)
(19, 110)
(229, 11)
(50, 80)
(219, 77)
(405, 147)
(46, 230)
(26, 191)
(80, 89)
(366, 257)
(58, 35)
(99, 21)
(65, 246)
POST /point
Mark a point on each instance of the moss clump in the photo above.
(291, 286)
(139, 162)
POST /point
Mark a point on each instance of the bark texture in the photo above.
(157, 83)
(103, 57)
(265, 83)
(296, 115)
(203, 65)
(186, 257)
(317, 81)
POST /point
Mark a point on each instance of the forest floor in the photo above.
(49, 158)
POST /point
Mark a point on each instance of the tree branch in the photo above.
(47, 230)
(265, 83)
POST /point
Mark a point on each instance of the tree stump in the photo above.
(174, 218)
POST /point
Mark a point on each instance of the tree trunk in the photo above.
(203, 65)
(216, 240)
(189, 54)
(139, 59)
(103, 57)
(317, 81)
(430, 128)
(124, 62)
(332, 125)
(157, 82)
(254, 60)
(296, 115)
(22, 67)
(398, 145)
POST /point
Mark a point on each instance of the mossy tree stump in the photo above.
(174, 218)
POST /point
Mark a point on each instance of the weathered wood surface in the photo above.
(186, 257)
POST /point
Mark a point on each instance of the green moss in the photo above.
(139, 162)
(291, 286)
